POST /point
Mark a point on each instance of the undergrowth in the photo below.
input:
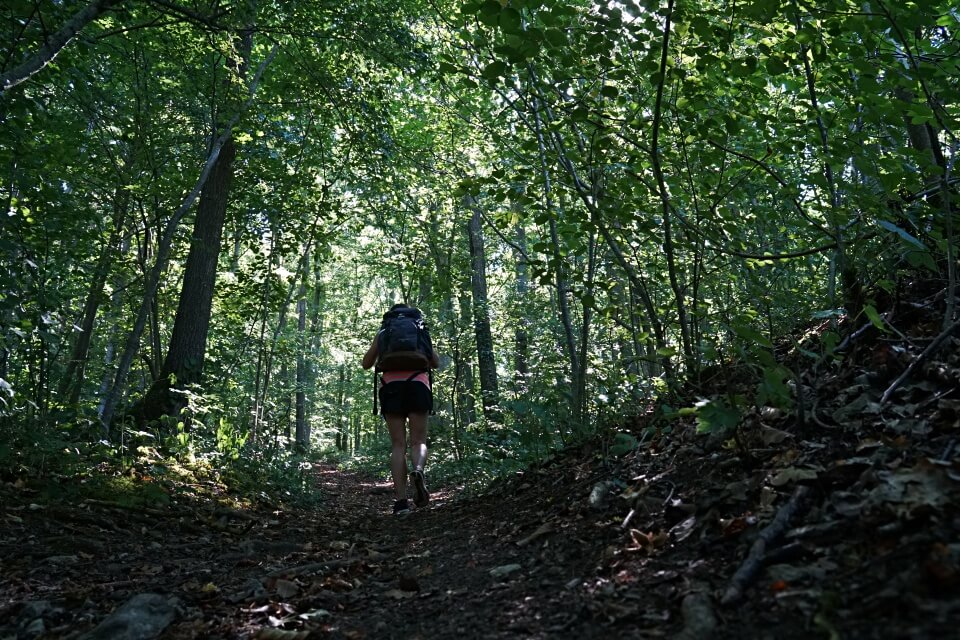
(67, 463)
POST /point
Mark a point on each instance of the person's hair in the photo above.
(399, 305)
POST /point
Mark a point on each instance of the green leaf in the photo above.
(827, 313)
(609, 91)
(494, 70)
(511, 21)
(776, 66)
(922, 259)
(623, 443)
(489, 13)
(874, 317)
(750, 334)
(716, 416)
(556, 37)
(909, 239)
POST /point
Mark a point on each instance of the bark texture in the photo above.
(489, 392)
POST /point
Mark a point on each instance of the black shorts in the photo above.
(404, 397)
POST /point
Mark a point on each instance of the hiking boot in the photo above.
(401, 508)
(420, 495)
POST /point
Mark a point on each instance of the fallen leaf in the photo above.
(682, 530)
(316, 614)
(397, 594)
(286, 588)
(792, 474)
(770, 436)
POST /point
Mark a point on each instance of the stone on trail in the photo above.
(504, 570)
(143, 616)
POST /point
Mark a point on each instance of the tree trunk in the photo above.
(342, 418)
(303, 428)
(72, 381)
(183, 364)
(152, 280)
(463, 369)
(489, 393)
(561, 279)
(521, 337)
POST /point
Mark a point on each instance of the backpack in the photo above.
(404, 342)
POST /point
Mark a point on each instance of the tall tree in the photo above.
(486, 361)
(183, 364)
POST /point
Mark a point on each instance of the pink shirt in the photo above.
(398, 376)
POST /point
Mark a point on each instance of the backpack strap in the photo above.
(433, 411)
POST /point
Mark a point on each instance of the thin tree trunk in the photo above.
(302, 428)
(489, 392)
(839, 262)
(341, 409)
(563, 304)
(666, 206)
(72, 381)
(464, 369)
(521, 336)
(580, 383)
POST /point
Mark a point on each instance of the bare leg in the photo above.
(418, 439)
(397, 426)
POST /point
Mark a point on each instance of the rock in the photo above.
(143, 616)
(35, 629)
(504, 570)
(598, 495)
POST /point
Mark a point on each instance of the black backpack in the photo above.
(404, 342)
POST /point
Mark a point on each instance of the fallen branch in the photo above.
(544, 529)
(314, 566)
(751, 565)
(926, 353)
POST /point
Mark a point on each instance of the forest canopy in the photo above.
(599, 207)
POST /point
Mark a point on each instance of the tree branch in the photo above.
(54, 45)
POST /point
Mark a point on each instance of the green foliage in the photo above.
(787, 152)
(721, 415)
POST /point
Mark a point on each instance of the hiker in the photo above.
(404, 358)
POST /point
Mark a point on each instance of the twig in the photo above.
(754, 560)
(815, 414)
(926, 353)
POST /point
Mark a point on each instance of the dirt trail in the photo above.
(348, 570)
(587, 546)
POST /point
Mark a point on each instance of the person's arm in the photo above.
(434, 359)
(370, 357)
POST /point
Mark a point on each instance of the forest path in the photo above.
(193, 567)
(587, 545)
(457, 568)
